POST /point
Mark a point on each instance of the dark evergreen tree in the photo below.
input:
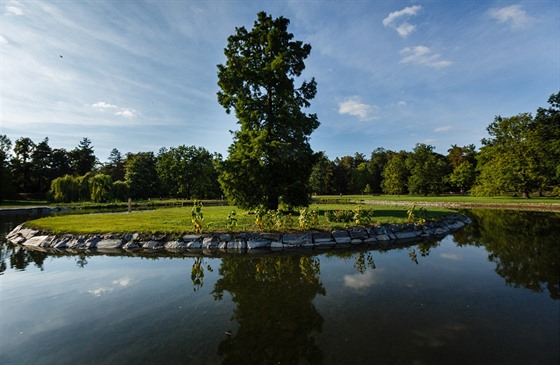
(270, 157)
(82, 158)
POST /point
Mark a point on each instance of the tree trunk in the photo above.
(526, 194)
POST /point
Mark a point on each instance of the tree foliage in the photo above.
(508, 160)
(82, 158)
(270, 157)
(141, 175)
(6, 179)
(395, 174)
(427, 170)
(187, 172)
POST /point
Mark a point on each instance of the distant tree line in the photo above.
(39, 171)
(521, 156)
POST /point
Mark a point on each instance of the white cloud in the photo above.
(444, 128)
(513, 15)
(424, 56)
(123, 112)
(127, 113)
(354, 106)
(359, 281)
(14, 10)
(101, 105)
(403, 28)
(101, 290)
(97, 292)
(3, 40)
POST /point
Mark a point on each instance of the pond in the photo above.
(485, 294)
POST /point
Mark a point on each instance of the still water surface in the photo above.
(485, 295)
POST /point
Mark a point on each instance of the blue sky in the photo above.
(141, 75)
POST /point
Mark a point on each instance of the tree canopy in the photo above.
(270, 157)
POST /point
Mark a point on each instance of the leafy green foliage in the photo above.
(197, 216)
(187, 172)
(508, 161)
(270, 157)
(231, 220)
(101, 187)
(362, 216)
(308, 218)
(427, 170)
(141, 175)
(417, 216)
(395, 175)
(65, 189)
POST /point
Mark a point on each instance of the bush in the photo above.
(65, 189)
(101, 187)
(120, 190)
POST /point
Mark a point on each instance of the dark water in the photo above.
(485, 295)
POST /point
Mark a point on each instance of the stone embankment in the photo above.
(384, 236)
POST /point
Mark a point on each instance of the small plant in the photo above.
(197, 216)
(362, 216)
(416, 216)
(308, 218)
(231, 220)
(339, 216)
(265, 219)
(279, 219)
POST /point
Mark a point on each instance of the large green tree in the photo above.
(509, 160)
(82, 158)
(141, 175)
(270, 157)
(187, 172)
(545, 132)
(395, 174)
(21, 164)
(321, 179)
(428, 170)
(6, 180)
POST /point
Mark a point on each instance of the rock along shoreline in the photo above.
(383, 236)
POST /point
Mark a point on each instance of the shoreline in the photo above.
(382, 236)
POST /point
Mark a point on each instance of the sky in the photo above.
(141, 75)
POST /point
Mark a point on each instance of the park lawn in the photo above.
(178, 220)
(445, 198)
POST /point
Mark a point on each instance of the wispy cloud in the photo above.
(360, 281)
(355, 107)
(444, 128)
(397, 20)
(424, 56)
(13, 10)
(127, 113)
(123, 112)
(101, 105)
(513, 15)
(119, 283)
(3, 40)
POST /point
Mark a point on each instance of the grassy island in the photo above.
(220, 219)
(177, 217)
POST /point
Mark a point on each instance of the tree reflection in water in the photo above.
(275, 312)
(524, 246)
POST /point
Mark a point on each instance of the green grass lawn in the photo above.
(178, 220)
(445, 198)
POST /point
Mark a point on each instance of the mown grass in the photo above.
(444, 198)
(178, 220)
